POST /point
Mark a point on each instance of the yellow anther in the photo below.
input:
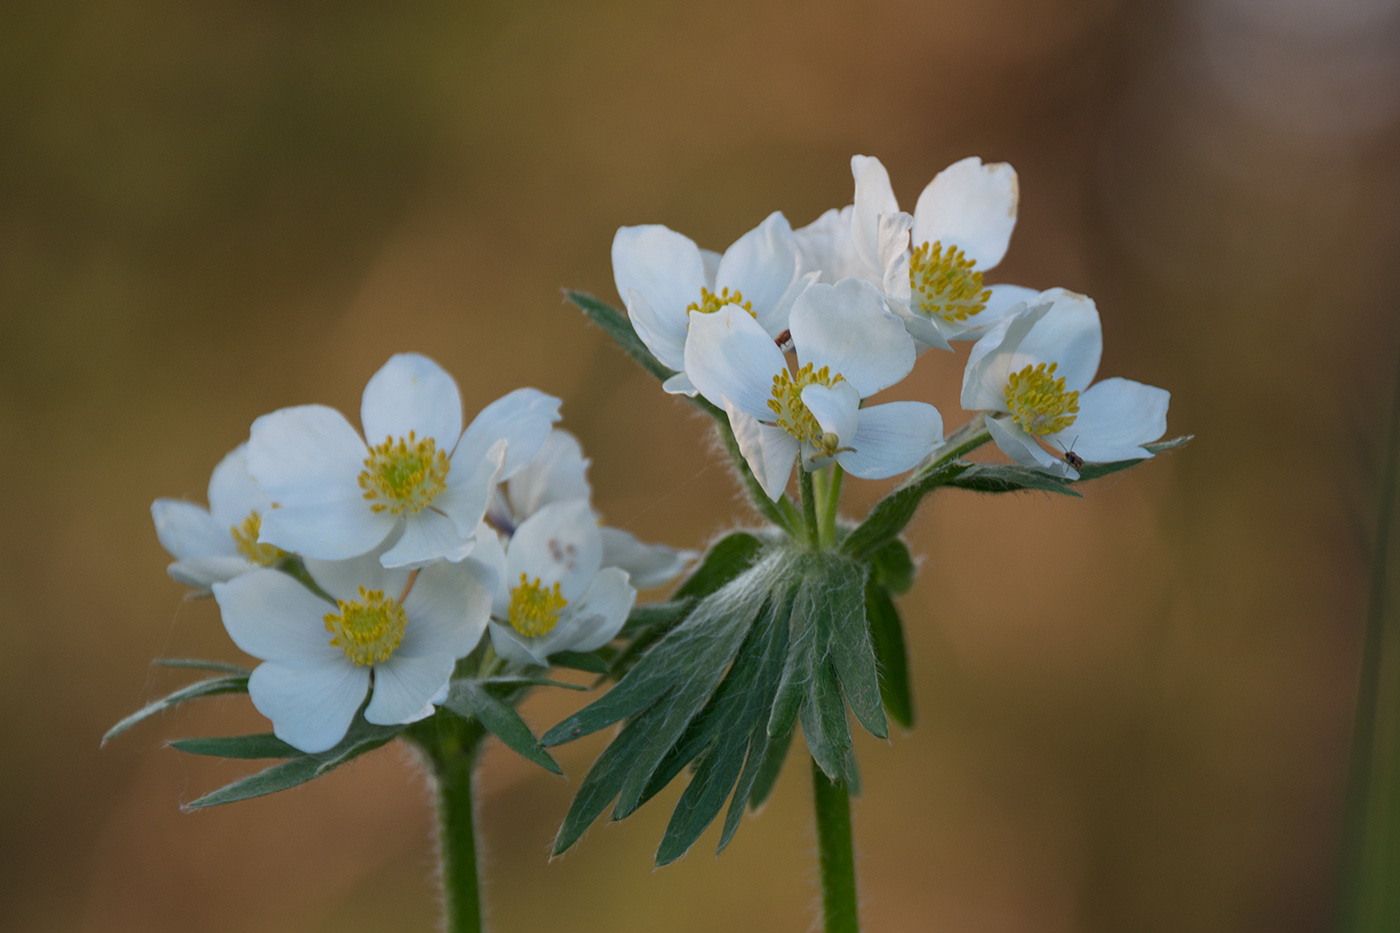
(945, 284)
(245, 538)
(1038, 400)
(369, 629)
(794, 416)
(534, 609)
(404, 475)
(710, 302)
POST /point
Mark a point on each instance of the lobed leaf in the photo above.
(1009, 477)
(887, 637)
(472, 701)
(616, 325)
(202, 688)
(585, 661)
(261, 745)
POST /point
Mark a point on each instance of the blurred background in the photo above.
(1134, 710)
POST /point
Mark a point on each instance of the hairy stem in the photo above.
(809, 509)
(831, 506)
(836, 849)
(451, 745)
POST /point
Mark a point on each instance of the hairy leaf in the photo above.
(887, 636)
(616, 325)
(893, 566)
(202, 688)
(471, 700)
(261, 745)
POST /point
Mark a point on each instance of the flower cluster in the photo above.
(855, 296)
(369, 565)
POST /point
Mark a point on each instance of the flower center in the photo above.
(944, 283)
(1038, 401)
(245, 538)
(404, 475)
(367, 630)
(710, 302)
(534, 609)
(793, 415)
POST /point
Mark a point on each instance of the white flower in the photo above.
(553, 593)
(662, 276)
(931, 264)
(848, 348)
(1031, 374)
(320, 659)
(825, 249)
(427, 481)
(558, 473)
(218, 543)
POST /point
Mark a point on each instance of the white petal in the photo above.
(834, 408)
(874, 197)
(305, 455)
(310, 707)
(893, 238)
(342, 579)
(647, 565)
(523, 419)
(1004, 300)
(427, 536)
(599, 613)
(558, 544)
(762, 264)
(202, 572)
(729, 356)
(1021, 447)
(992, 358)
(186, 530)
(1068, 335)
(271, 616)
(558, 472)
(232, 492)
(333, 530)
(470, 486)
(448, 608)
(846, 327)
(972, 206)
(663, 334)
(825, 247)
(680, 384)
(404, 687)
(890, 439)
(769, 450)
(490, 553)
(1116, 417)
(515, 647)
(662, 266)
(710, 260)
(412, 393)
(925, 332)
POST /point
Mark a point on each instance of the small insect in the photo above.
(783, 339)
(1072, 458)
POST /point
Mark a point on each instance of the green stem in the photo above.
(1363, 885)
(809, 508)
(976, 439)
(836, 852)
(832, 506)
(451, 745)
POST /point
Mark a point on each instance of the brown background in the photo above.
(1134, 709)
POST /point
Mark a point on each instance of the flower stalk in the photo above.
(452, 745)
(832, 803)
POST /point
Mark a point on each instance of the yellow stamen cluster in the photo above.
(1038, 400)
(245, 538)
(793, 415)
(534, 609)
(404, 475)
(367, 630)
(710, 302)
(945, 284)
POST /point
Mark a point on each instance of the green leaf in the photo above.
(262, 745)
(202, 665)
(616, 325)
(585, 661)
(774, 756)
(1092, 471)
(470, 700)
(339, 756)
(889, 516)
(532, 682)
(887, 636)
(203, 688)
(726, 559)
(826, 730)
(655, 616)
(838, 586)
(893, 567)
(1009, 477)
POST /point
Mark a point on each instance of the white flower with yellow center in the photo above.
(218, 543)
(664, 278)
(848, 348)
(558, 473)
(1031, 374)
(553, 593)
(398, 633)
(416, 475)
(931, 264)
